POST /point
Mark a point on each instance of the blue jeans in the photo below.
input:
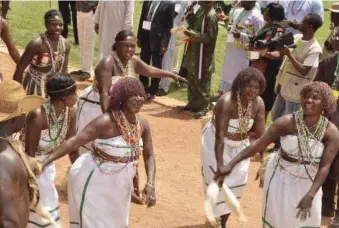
(282, 107)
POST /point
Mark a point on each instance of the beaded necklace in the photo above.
(305, 134)
(131, 133)
(126, 71)
(48, 43)
(57, 126)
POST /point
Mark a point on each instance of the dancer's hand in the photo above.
(135, 198)
(149, 195)
(304, 207)
(176, 77)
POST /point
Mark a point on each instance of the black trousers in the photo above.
(147, 55)
(66, 15)
(329, 190)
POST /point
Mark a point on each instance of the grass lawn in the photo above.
(26, 22)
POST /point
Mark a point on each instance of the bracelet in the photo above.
(149, 184)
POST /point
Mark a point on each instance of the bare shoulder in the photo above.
(332, 133)
(224, 102)
(105, 63)
(144, 123)
(36, 116)
(283, 124)
(11, 164)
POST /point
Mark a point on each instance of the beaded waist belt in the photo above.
(288, 158)
(104, 157)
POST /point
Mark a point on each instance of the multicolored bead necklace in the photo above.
(305, 135)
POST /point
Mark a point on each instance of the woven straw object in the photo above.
(14, 101)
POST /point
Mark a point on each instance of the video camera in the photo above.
(276, 43)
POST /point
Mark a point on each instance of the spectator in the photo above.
(85, 20)
(199, 57)
(297, 10)
(236, 57)
(332, 42)
(170, 59)
(264, 3)
(155, 23)
(110, 18)
(268, 65)
(66, 14)
(299, 68)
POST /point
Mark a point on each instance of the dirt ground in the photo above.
(176, 140)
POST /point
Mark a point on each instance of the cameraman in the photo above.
(299, 67)
(268, 64)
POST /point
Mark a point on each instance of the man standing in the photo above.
(155, 23)
(85, 20)
(298, 69)
(247, 21)
(332, 42)
(66, 15)
(199, 57)
(297, 10)
(170, 59)
(110, 18)
(18, 185)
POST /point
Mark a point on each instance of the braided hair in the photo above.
(60, 86)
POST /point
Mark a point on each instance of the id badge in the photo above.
(146, 25)
(254, 55)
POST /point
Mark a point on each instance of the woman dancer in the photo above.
(104, 177)
(239, 115)
(122, 62)
(45, 55)
(46, 128)
(269, 64)
(294, 174)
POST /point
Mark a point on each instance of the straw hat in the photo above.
(14, 101)
(334, 7)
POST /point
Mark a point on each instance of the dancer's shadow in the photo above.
(168, 112)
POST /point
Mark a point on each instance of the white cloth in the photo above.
(112, 17)
(236, 58)
(170, 59)
(86, 33)
(297, 10)
(286, 184)
(312, 60)
(237, 180)
(49, 198)
(87, 110)
(101, 196)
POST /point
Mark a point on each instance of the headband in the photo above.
(54, 18)
(62, 90)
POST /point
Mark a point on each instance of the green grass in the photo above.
(26, 22)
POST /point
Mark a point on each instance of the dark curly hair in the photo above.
(325, 92)
(275, 12)
(244, 77)
(121, 36)
(60, 86)
(122, 90)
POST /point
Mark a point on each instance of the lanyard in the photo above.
(300, 7)
(152, 10)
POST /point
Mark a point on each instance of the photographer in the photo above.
(268, 64)
(299, 67)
